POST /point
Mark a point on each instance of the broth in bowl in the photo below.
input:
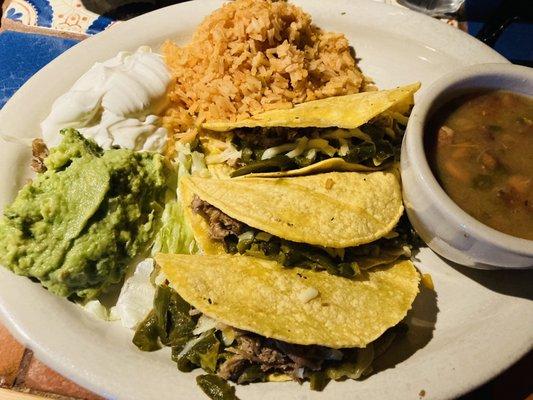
(480, 148)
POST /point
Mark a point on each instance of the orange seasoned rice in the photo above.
(254, 55)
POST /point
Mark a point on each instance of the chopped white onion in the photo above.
(343, 150)
(311, 154)
(228, 335)
(337, 134)
(198, 163)
(308, 294)
(231, 153)
(204, 324)
(189, 345)
(274, 151)
(301, 145)
(321, 145)
(264, 236)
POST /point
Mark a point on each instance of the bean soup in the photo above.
(480, 147)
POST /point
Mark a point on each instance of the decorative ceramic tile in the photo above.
(40, 378)
(71, 16)
(61, 15)
(22, 55)
(10, 357)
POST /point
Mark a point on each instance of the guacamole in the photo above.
(76, 226)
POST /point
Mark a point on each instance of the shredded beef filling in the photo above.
(263, 138)
(274, 356)
(39, 152)
(220, 224)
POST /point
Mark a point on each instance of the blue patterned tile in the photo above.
(98, 25)
(22, 55)
(60, 15)
(13, 14)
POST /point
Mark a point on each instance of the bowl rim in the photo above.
(431, 98)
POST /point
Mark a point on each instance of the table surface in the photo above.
(34, 32)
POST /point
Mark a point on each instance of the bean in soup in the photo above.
(480, 147)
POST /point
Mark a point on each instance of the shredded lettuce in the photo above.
(189, 161)
(229, 154)
(175, 236)
(97, 309)
(135, 299)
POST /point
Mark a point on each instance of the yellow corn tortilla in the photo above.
(198, 224)
(220, 171)
(261, 296)
(223, 170)
(336, 209)
(332, 164)
(350, 111)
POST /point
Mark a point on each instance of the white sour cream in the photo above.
(116, 102)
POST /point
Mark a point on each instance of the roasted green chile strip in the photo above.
(248, 358)
(377, 146)
(146, 336)
(169, 322)
(291, 254)
(216, 388)
(203, 353)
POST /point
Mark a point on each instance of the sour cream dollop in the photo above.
(115, 102)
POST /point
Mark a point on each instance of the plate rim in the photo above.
(61, 364)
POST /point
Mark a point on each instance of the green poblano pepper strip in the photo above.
(277, 163)
(360, 153)
(252, 374)
(216, 388)
(168, 323)
(183, 363)
(318, 381)
(384, 151)
(175, 322)
(354, 364)
(290, 254)
(349, 269)
(202, 353)
(287, 253)
(146, 336)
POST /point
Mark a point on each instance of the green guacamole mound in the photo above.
(76, 226)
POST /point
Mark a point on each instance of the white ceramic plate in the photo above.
(476, 325)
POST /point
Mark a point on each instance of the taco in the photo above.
(340, 222)
(359, 132)
(247, 319)
(295, 305)
(295, 278)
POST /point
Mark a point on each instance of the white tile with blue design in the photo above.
(61, 15)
